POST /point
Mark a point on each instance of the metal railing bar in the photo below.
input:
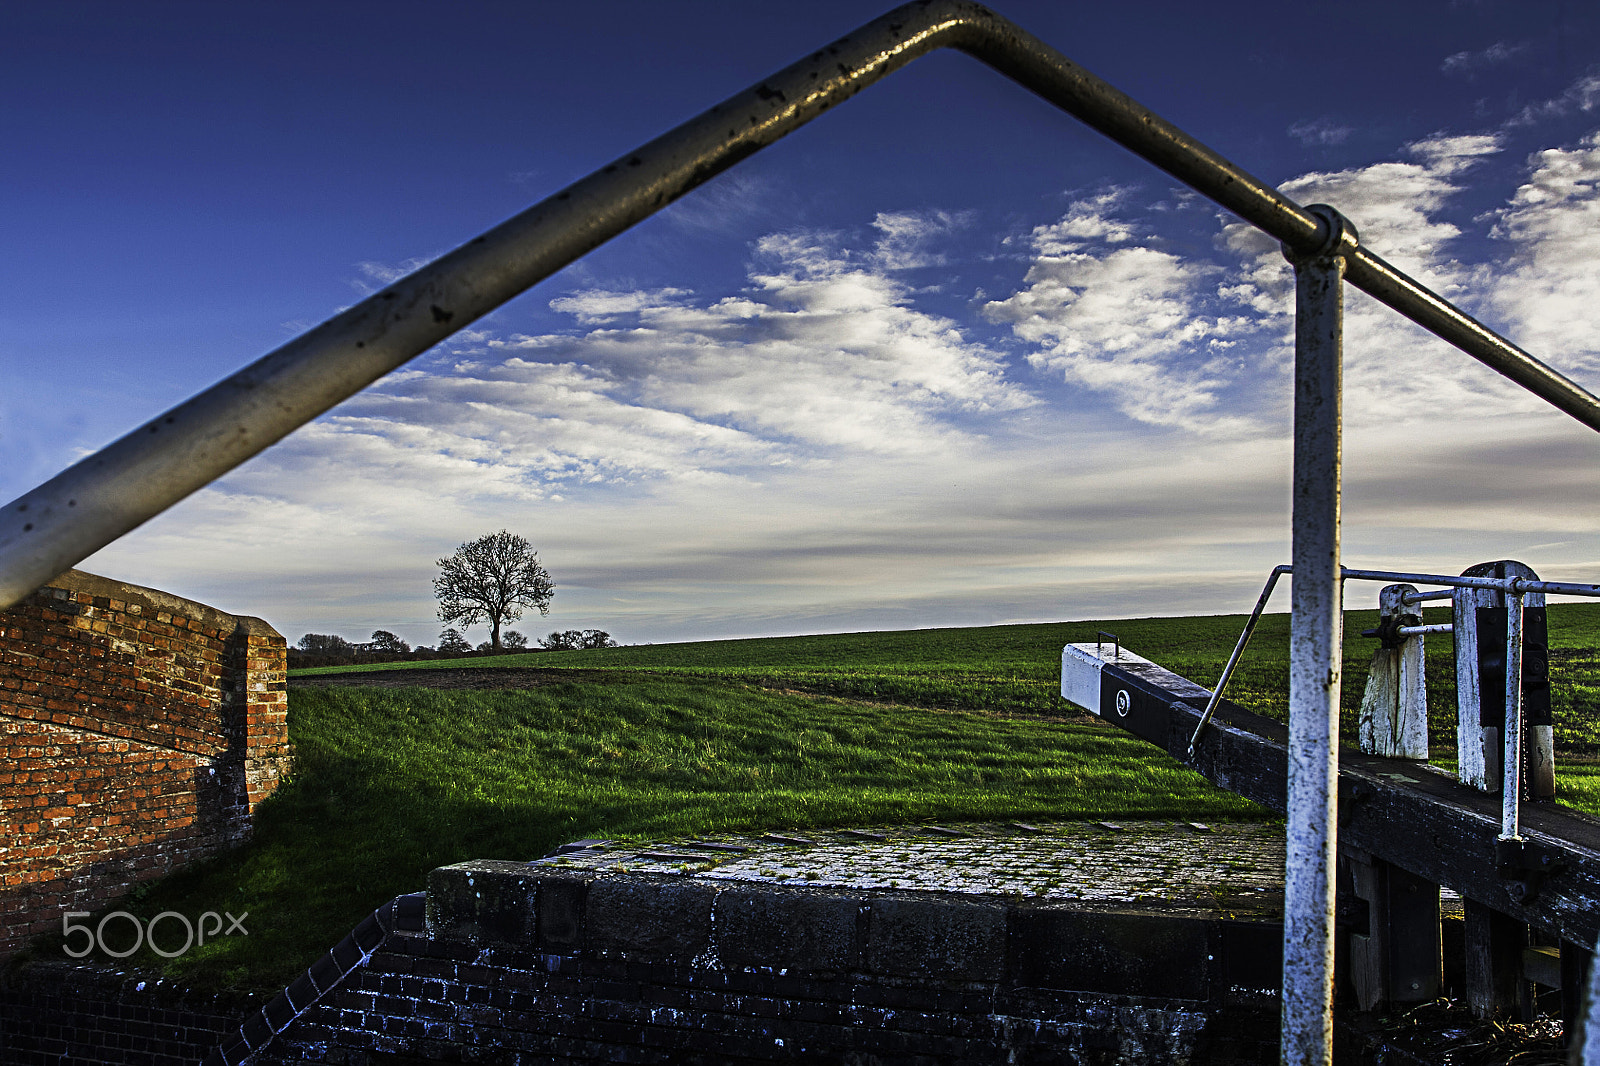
(131, 480)
(1367, 272)
(1512, 585)
(1413, 598)
(1238, 650)
(1499, 584)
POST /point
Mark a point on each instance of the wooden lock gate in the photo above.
(1531, 901)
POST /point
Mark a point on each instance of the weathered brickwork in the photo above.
(138, 731)
(62, 1015)
(519, 964)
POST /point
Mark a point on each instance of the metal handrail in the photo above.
(131, 480)
(1515, 586)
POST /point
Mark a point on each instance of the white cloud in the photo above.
(907, 238)
(818, 451)
(1321, 131)
(1551, 288)
(1087, 221)
(1583, 95)
(1395, 208)
(1107, 310)
(1469, 63)
(820, 360)
(376, 275)
(595, 306)
(822, 351)
(729, 204)
(1393, 369)
(1206, 347)
(667, 448)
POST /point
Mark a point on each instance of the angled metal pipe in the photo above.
(1238, 651)
(131, 480)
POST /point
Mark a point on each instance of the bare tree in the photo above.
(493, 578)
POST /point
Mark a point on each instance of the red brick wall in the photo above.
(138, 731)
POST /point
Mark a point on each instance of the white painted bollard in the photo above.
(1481, 743)
(1394, 708)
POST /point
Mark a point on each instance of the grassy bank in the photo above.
(724, 736)
(1017, 668)
(389, 784)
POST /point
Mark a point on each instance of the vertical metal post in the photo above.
(1315, 637)
(1511, 777)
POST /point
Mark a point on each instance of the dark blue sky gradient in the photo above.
(186, 186)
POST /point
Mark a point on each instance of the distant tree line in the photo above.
(328, 649)
(576, 640)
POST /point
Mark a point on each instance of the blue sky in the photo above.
(944, 357)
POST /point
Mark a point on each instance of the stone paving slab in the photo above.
(1233, 869)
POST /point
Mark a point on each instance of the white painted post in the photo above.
(1314, 647)
(1394, 708)
(1480, 749)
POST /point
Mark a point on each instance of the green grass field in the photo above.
(1016, 668)
(722, 736)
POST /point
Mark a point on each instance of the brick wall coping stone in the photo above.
(1176, 911)
(1233, 866)
(155, 600)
